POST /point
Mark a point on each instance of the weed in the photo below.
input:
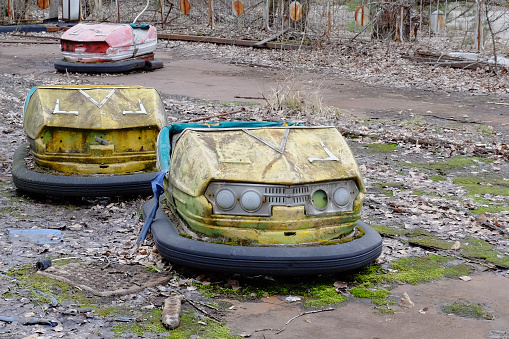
(484, 129)
(286, 97)
(413, 123)
(464, 308)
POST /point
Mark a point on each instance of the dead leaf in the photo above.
(340, 284)
(456, 245)
(234, 284)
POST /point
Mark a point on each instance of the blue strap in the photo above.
(157, 188)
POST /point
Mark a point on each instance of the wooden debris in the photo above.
(447, 61)
(272, 37)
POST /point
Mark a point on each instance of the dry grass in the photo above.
(289, 98)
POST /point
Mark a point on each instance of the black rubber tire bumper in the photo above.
(108, 67)
(270, 260)
(23, 28)
(75, 186)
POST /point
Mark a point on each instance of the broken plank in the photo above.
(273, 37)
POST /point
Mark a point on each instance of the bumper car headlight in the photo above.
(225, 199)
(251, 201)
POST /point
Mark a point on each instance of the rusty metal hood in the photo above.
(282, 155)
(92, 108)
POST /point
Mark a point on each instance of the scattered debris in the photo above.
(405, 301)
(456, 245)
(305, 313)
(36, 236)
(171, 311)
(291, 299)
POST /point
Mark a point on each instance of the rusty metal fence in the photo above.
(460, 25)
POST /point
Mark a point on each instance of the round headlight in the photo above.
(319, 199)
(341, 196)
(225, 199)
(251, 201)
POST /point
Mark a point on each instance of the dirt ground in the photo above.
(199, 77)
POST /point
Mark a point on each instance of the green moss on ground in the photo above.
(321, 295)
(381, 148)
(481, 249)
(477, 188)
(379, 297)
(412, 270)
(426, 239)
(385, 187)
(29, 279)
(389, 231)
(149, 321)
(189, 326)
(464, 308)
(458, 271)
(450, 165)
(471, 248)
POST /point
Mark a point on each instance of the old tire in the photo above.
(273, 260)
(98, 67)
(74, 186)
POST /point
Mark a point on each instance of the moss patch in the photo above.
(481, 249)
(471, 248)
(379, 297)
(389, 231)
(62, 292)
(149, 321)
(477, 188)
(385, 188)
(464, 308)
(412, 270)
(320, 296)
(457, 271)
(381, 148)
(189, 326)
(424, 238)
(458, 163)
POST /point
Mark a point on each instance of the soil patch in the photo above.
(106, 280)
